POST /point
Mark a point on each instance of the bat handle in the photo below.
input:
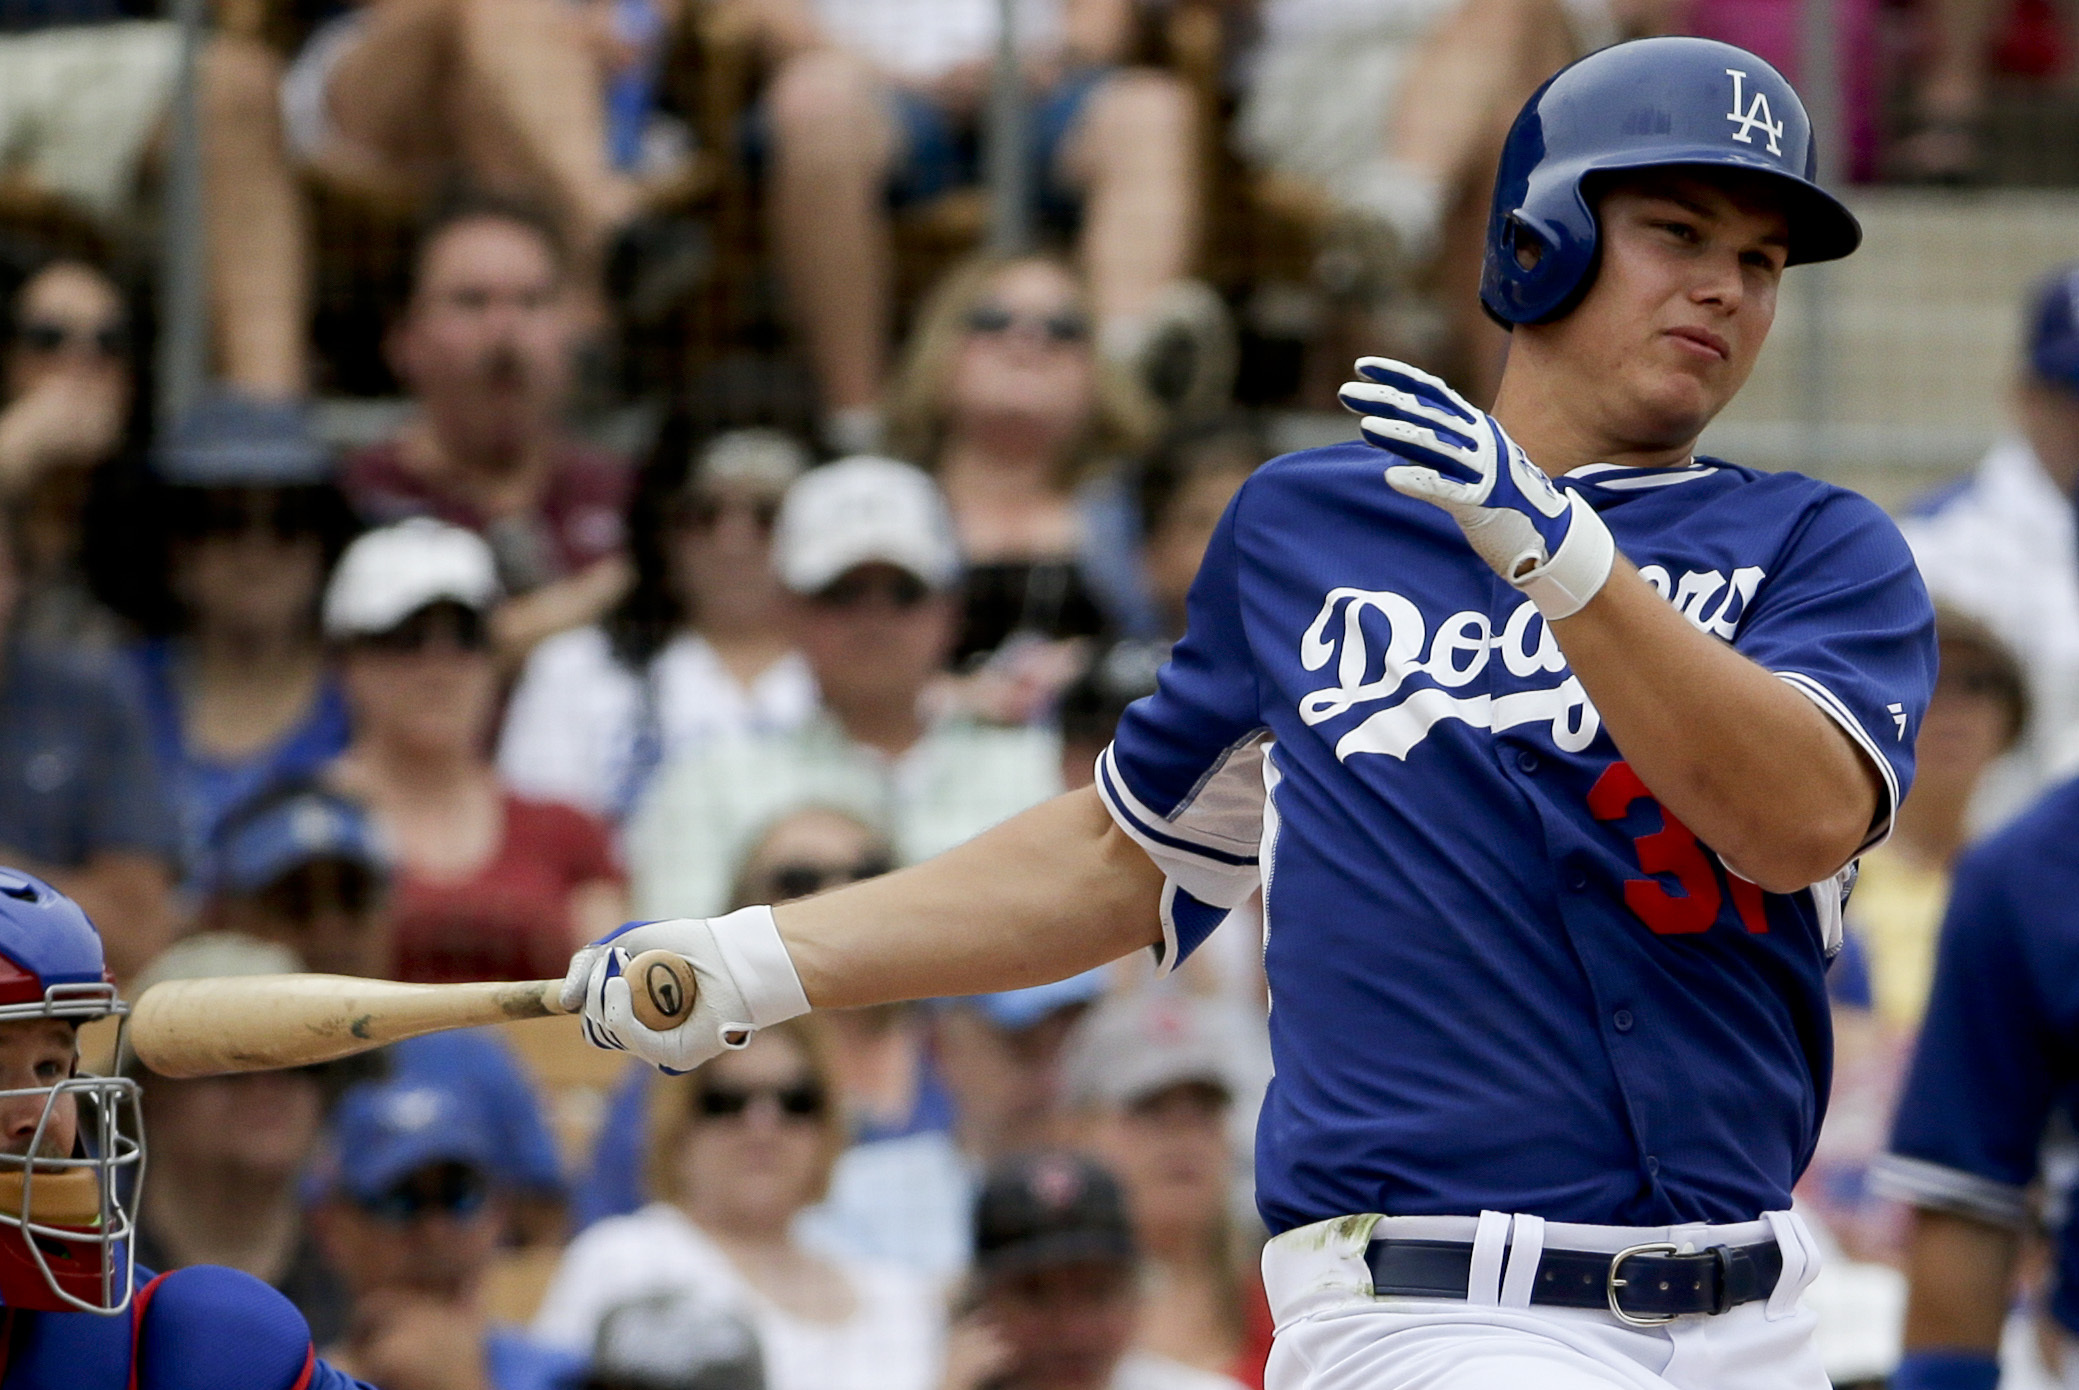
(662, 987)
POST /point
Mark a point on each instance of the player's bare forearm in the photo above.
(1745, 761)
(1053, 891)
(1962, 1274)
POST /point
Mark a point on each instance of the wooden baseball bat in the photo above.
(236, 1023)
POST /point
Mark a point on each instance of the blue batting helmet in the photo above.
(1648, 104)
(66, 1229)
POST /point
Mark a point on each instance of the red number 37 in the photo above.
(1673, 850)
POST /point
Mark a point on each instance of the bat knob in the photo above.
(661, 986)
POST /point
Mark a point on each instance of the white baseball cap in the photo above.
(1135, 1045)
(860, 510)
(390, 574)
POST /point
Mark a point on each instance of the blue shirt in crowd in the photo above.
(204, 789)
(77, 776)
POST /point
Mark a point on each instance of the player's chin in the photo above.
(1673, 403)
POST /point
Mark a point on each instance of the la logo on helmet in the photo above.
(1757, 113)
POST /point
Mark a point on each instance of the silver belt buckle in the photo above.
(1614, 1281)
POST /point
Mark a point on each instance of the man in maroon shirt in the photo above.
(485, 349)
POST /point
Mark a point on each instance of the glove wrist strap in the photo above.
(1577, 571)
(749, 943)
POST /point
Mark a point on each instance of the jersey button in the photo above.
(1652, 1164)
(1577, 878)
(1527, 761)
(1621, 1020)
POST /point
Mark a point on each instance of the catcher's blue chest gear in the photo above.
(203, 1328)
(1501, 976)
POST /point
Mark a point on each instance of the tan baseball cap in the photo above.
(206, 955)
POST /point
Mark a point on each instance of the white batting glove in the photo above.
(745, 981)
(1548, 543)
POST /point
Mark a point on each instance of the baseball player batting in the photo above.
(76, 1312)
(1548, 744)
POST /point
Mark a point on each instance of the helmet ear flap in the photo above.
(1526, 247)
(1523, 262)
(1650, 103)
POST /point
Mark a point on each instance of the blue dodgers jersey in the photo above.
(1501, 976)
(1999, 1047)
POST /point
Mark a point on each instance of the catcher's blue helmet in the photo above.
(1651, 103)
(66, 1218)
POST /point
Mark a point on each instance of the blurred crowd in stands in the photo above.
(448, 701)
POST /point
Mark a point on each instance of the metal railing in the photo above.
(183, 344)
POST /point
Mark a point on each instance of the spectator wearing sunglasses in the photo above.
(737, 1151)
(227, 1152)
(874, 102)
(409, 1215)
(300, 867)
(236, 679)
(699, 650)
(886, 1085)
(1005, 399)
(489, 885)
(866, 549)
(82, 802)
(70, 382)
(809, 850)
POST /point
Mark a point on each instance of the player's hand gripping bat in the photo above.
(212, 1027)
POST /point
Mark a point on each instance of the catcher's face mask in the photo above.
(69, 1187)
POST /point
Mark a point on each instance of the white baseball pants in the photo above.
(1334, 1335)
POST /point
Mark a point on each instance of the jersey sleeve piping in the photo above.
(1167, 957)
(1215, 870)
(1137, 820)
(1830, 705)
(1938, 1187)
